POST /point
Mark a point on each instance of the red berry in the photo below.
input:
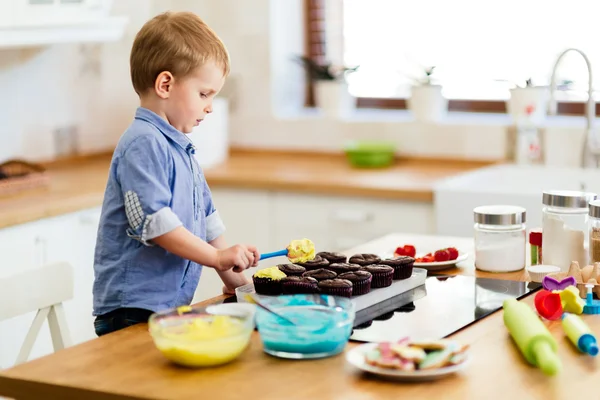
(410, 250)
(442, 255)
(453, 253)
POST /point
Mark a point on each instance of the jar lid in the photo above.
(595, 208)
(499, 215)
(567, 198)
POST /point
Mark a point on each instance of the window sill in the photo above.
(368, 115)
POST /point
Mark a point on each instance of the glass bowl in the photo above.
(324, 325)
(203, 336)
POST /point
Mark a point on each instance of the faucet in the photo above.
(591, 147)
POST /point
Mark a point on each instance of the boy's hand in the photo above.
(238, 257)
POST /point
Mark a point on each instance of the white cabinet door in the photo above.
(69, 238)
(338, 223)
(247, 217)
(20, 250)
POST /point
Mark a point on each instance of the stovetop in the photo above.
(442, 306)
(451, 303)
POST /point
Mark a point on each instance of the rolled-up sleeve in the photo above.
(143, 173)
(214, 224)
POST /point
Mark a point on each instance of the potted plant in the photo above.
(331, 88)
(426, 100)
(524, 95)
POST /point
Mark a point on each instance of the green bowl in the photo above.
(370, 154)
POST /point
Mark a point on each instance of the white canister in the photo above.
(500, 238)
(211, 137)
(565, 227)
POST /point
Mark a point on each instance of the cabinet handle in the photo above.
(353, 216)
(41, 247)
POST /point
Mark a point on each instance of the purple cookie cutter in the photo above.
(551, 284)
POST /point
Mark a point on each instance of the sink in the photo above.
(456, 197)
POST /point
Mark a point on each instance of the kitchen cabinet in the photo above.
(69, 238)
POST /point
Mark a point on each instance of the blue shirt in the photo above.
(154, 186)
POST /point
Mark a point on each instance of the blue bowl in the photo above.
(323, 325)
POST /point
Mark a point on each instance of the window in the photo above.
(480, 49)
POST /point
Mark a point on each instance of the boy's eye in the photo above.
(203, 95)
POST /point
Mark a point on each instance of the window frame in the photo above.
(315, 48)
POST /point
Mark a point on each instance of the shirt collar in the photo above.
(169, 131)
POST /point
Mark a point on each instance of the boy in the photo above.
(158, 224)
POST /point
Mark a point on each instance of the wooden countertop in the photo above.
(126, 365)
(79, 183)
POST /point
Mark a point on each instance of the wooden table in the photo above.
(126, 365)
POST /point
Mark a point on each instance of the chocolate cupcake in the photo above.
(292, 269)
(298, 285)
(333, 257)
(268, 281)
(364, 259)
(382, 275)
(336, 287)
(320, 274)
(340, 268)
(403, 266)
(315, 263)
(361, 281)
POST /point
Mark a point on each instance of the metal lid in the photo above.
(567, 198)
(595, 208)
(499, 215)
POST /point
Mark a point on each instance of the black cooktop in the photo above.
(450, 303)
(442, 306)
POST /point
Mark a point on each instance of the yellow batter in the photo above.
(300, 251)
(204, 342)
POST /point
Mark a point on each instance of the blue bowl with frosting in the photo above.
(322, 325)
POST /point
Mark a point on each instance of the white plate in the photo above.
(356, 357)
(432, 266)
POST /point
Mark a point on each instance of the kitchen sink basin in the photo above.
(456, 197)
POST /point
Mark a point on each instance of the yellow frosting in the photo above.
(300, 251)
(204, 342)
(272, 272)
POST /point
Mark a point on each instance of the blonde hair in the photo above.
(175, 42)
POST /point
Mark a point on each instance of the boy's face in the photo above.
(191, 97)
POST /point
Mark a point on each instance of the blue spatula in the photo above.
(280, 253)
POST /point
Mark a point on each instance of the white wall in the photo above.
(51, 87)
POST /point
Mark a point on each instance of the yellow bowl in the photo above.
(203, 336)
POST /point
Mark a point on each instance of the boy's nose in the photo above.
(208, 109)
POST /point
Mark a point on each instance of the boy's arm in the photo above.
(230, 279)
(143, 177)
(185, 244)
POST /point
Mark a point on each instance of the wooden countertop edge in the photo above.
(93, 198)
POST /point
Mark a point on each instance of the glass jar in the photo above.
(500, 238)
(565, 227)
(594, 231)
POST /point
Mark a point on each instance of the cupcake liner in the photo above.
(266, 286)
(403, 271)
(382, 279)
(298, 288)
(338, 291)
(362, 287)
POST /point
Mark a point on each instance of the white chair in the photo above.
(44, 290)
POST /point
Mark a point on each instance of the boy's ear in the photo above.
(164, 84)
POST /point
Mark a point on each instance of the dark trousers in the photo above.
(119, 319)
